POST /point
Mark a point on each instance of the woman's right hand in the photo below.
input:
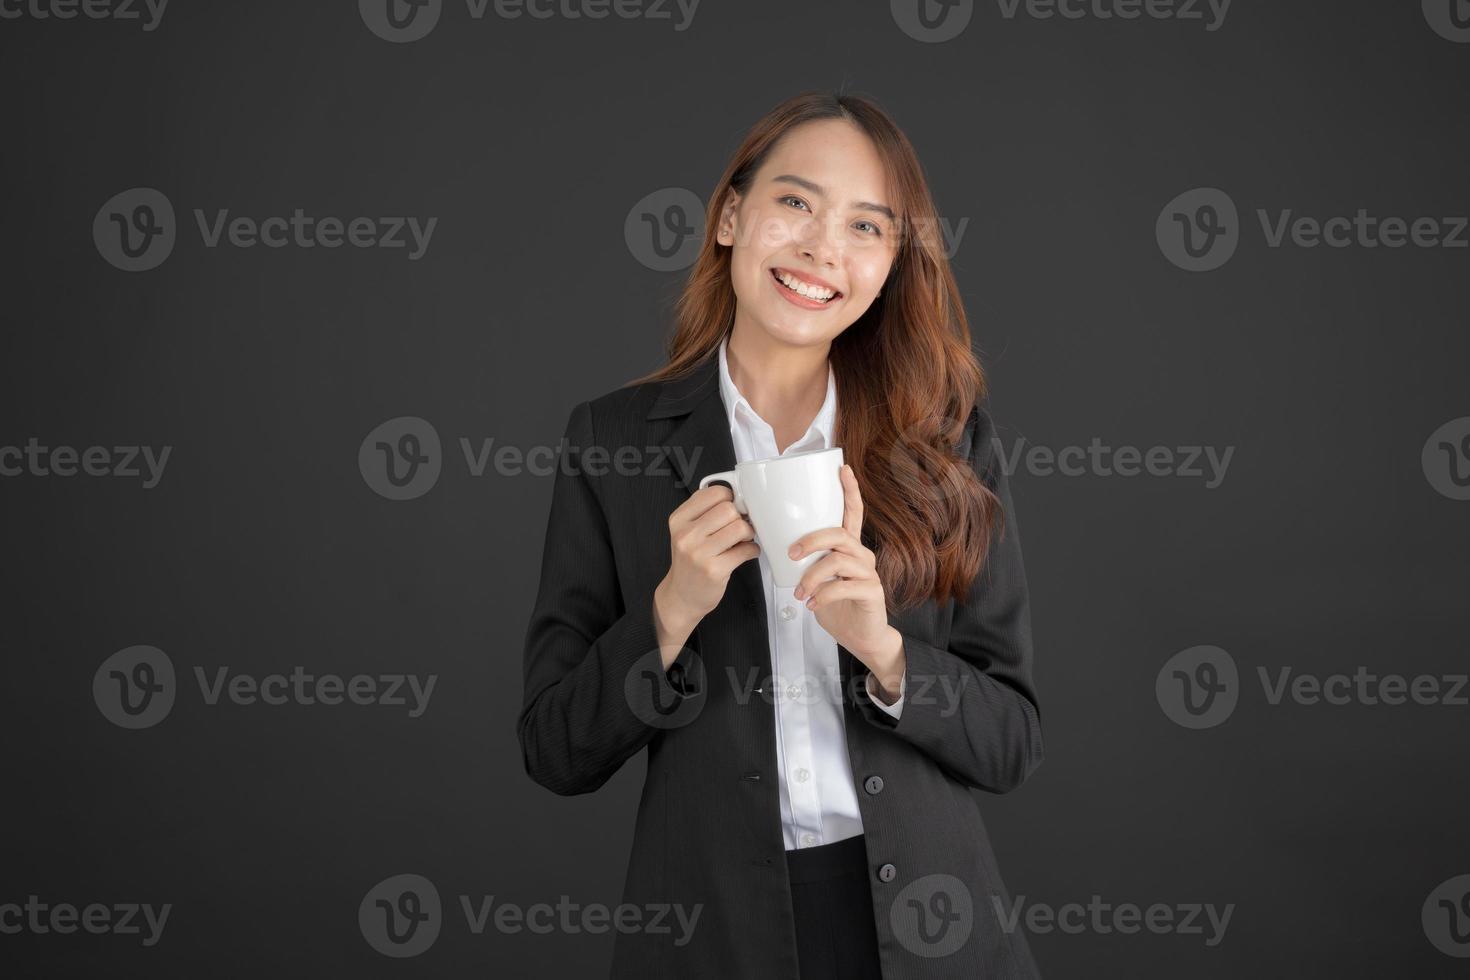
(708, 540)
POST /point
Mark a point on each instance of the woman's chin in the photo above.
(799, 330)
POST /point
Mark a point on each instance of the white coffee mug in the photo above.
(787, 497)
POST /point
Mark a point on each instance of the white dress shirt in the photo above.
(818, 794)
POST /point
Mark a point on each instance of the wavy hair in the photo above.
(906, 375)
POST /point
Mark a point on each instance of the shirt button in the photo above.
(887, 873)
(874, 785)
(788, 613)
(802, 775)
(793, 692)
(807, 840)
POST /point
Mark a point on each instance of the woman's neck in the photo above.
(785, 385)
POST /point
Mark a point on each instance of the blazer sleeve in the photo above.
(972, 707)
(581, 718)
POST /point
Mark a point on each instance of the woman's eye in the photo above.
(794, 200)
(873, 229)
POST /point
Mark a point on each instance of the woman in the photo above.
(816, 754)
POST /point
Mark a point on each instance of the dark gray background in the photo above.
(263, 548)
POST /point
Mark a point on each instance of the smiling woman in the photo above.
(817, 752)
(828, 194)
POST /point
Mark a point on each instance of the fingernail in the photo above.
(798, 593)
(795, 551)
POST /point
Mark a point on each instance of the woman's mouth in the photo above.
(804, 294)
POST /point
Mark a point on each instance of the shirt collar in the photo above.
(822, 426)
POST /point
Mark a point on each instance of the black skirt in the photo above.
(835, 934)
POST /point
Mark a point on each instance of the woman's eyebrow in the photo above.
(817, 189)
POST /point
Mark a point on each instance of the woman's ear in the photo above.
(726, 231)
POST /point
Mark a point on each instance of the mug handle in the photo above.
(732, 478)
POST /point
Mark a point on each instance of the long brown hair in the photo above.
(906, 376)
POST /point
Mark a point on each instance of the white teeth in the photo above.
(805, 289)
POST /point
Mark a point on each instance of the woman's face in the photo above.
(816, 216)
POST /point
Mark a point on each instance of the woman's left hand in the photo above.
(845, 593)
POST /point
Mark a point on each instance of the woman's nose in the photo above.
(820, 242)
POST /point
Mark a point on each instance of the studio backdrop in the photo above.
(298, 297)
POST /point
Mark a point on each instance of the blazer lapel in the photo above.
(700, 444)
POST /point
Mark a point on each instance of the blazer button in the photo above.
(874, 785)
(887, 873)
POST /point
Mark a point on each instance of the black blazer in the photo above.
(708, 830)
